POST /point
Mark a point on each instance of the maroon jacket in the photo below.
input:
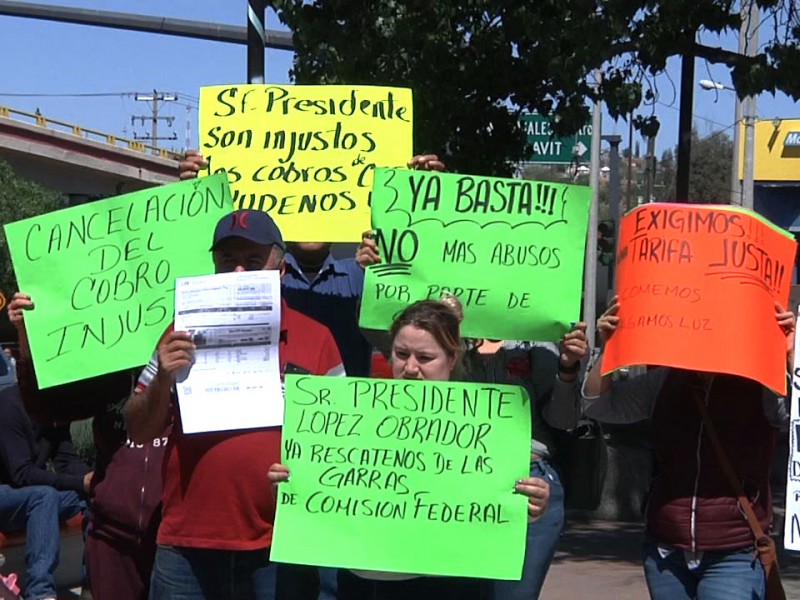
(691, 504)
(126, 487)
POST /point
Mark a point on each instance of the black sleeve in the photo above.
(65, 458)
(16, 449)
(71, 401)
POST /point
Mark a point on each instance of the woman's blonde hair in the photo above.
(441, 318)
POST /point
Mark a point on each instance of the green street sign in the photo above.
(547, 149)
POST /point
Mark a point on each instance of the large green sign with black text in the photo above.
(511, 250)
(102, 275)
(404, 476)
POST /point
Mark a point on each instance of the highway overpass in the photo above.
(80, 162)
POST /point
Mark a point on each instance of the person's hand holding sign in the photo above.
(175, 352)
(538, 492)
(16, 314)
(426, 162)
(191, 164)
(606, 326)
(148, 411)
(608, 321)
(367, 253)
(787, 321)
(574, 347)
(277, 473)
(19, 303)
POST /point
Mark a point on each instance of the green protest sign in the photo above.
(102, 275)
(512, 250)
(404, 476)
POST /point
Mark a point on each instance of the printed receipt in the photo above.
(234, 320)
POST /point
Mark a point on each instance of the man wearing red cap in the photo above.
(218, 506)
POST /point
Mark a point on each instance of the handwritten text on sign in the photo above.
(697, 286)
(305, 154)
(102, 275)
(791, 527)
(512, 250)
(404, 476)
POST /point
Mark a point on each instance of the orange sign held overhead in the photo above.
(697, 286)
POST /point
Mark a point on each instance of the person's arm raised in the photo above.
(426, 162)
(148, 411)
(787, 322)
(597, 384)
(193, 162)
(367, 253)
(16, 314)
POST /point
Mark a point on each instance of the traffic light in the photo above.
(606, 242)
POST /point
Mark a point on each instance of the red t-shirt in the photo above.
(216, 493)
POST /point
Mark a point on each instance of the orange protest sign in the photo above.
(697, 286)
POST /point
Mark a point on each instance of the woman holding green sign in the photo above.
(426, 344)
(549, 373)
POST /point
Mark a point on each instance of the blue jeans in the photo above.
(37, 510)
(726, 575)
(540, 543)
(328, 583)
(199, 574)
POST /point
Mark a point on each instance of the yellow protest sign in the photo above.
(306, 153)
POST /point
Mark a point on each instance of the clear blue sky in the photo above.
(42, 57)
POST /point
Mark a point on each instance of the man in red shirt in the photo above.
(218, 507)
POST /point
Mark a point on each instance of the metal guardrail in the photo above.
(86, 133)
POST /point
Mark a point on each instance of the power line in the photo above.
(695, 116)
(180, 95)
(71, 95)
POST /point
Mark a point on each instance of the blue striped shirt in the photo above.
(333, 299)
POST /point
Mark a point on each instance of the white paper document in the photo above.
(234, 320)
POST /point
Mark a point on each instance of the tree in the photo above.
(710, 170)
(474, 65)
(537, 172)
(20, 199)
(665, 176)
(560, 174)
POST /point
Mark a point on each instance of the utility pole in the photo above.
(614, 193)
(650, 169)
(629, 195)
(748, 37)
(736, 183)
(255, 41)
(614, 179)
(590, 272)
(188, 140)
(155, 98)
(685, 128)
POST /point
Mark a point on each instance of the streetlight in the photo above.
(741, 194)
(707, 84)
